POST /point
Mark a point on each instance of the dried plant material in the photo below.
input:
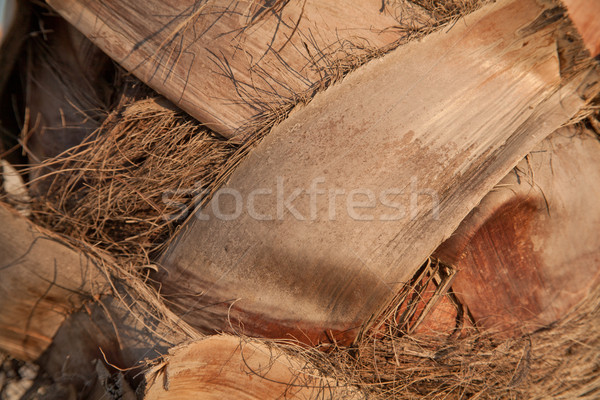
(560, 362)
(413, 303)
(68, 91)
(432, 120)
(123, 188)
(43, 280)
(583, 13)
(228, 62)
(126, 188)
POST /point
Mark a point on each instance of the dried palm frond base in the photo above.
(125, 189)
(128, 185)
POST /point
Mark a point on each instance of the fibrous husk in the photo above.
(125, 189)
(125, 185)
(129, 184)
(561, 361)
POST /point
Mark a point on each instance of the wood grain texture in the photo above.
(41, 282)
(584, 14)
(531, 250)
(224, 62)
(437, 121)
(227, 367)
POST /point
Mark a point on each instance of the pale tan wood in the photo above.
(448, 116)
(228, 367)
(584, 14)
(224, 62)
(41, 281)
(531, 250)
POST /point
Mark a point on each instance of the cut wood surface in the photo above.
(531, 250)
(584, 14)
(224, 62)
(41, 282)
(227, 367)
(415, 140)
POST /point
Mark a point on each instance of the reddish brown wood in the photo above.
(584, 14)
(531, 250)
